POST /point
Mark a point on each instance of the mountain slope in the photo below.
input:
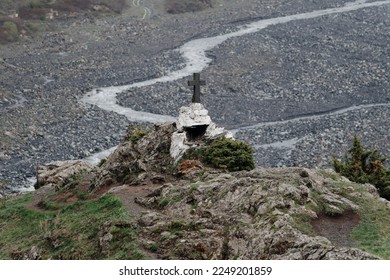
(160, 210)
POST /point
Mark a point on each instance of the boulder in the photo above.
(54, 173)
(135, 160)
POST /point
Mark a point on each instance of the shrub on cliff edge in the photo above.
(362, 165)
(224, 153)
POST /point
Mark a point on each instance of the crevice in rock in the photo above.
(195, 132)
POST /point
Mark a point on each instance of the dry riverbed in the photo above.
(305, 71)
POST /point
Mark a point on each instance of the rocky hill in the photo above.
(142, 203)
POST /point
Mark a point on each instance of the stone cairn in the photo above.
(194, 125)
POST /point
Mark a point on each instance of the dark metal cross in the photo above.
(196, 83)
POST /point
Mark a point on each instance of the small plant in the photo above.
(362, 165)
(102, 161)
(83, 195)
(176, 227)
(48, 205)
(153, 247)
(137, 135)
(229, 154)
(194, 187)
(38, 4)
(163, 203)
(11, 31)
(176, 198)
(74, 180)
(130, 176)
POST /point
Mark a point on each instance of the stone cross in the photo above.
(196, 83)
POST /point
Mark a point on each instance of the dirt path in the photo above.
(127, 194)
(337, 228)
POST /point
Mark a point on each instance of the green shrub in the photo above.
(38, 4)
(137, 135)
(194, 187)
(153, 247)
(362, 165)
(224, 153)
(12, 30)
(229, 154)
(163, 203)
(48, 205)
(83, 195)
(102, 161)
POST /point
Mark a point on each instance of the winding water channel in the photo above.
(194, 54)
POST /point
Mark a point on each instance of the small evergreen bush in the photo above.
(229, 154)
(362, 165)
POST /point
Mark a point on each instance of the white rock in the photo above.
(190, 117)
(213, 132)
(193, 115)
(178, 146)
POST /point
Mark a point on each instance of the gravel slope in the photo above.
(303, 67)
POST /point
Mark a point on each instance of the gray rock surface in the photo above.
(55, 173)
(136, 161)
(248, 215)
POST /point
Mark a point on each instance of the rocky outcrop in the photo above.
(152, 155)
(194, 128)
(138, 158)
(262, 214)
(55, 173)
(191, 211)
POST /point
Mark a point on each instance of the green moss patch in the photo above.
(373, 232)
